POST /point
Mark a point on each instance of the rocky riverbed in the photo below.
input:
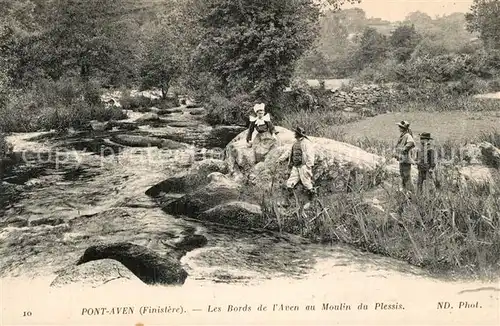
(78, 213)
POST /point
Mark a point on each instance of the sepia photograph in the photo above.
(237, 162)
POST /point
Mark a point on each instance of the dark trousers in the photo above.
(424, 174)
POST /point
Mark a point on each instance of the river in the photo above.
(70, 197)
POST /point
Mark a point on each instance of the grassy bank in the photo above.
(55, 105)
(454, 230)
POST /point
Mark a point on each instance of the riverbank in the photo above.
(80, 188)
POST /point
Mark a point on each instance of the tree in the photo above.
(84, 38)
(484, 19)
(373, 48)
(403, 41)
(252, 46)
(167, 46)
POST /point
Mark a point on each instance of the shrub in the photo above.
(223, 110)
(492, 137)
(136, 103)
(55, 105)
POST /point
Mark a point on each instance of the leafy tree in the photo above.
(354, 19)
(252, 46)
(169, 38)
(484, 19)
(403, 41)
(373, 48)
(419, 19)
(85, 38)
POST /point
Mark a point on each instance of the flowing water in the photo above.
(67, 197)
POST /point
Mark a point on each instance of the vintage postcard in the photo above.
(236, 162)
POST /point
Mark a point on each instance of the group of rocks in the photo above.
(233, 190)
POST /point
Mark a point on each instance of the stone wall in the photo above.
(361, 97)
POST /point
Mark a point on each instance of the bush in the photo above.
(223, 110)
(492, 137)
(55, 105)
(439, 75)
(301, 97)
(136, 103)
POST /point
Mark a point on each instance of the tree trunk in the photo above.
(84, 71)
(164, 88)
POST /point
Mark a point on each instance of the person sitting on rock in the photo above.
(301, 162)
(426, 161)
(266, 132)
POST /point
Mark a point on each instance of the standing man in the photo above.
(403, 148)
(426, 161)
(301, 161)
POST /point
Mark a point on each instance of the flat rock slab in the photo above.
(198, 111)
(172, 110)
(136, 141)
(183, 124)
(146, 141)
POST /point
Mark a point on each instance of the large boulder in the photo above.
(124, 125)
(337, 164)
(100, 126)
(94, 274)
(148, 117)
(219, 190)
(187, 181)
(147, 265)
(479, 174)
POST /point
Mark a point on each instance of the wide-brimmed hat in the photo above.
(404, 124)
(425, 135)
(259, 107)
(300, 131)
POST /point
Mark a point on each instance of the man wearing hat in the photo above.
(403, 147)
(301, 161)
(426, 161)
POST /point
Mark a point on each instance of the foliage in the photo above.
(5, 147)
(85, 38)
(55, 105)
(168, 40)
(403, 41)
(233, 110)
(340, 51)
(484, 18)
(256, 43)
(452, 229)
(373, 48)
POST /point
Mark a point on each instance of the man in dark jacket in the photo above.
(301, 163)
(426, 161)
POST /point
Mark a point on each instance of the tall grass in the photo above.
(320, 123)
(452, 229)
